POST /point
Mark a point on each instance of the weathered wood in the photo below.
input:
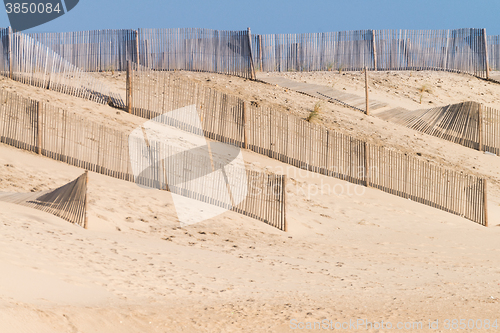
(367, 105)
(9, 43)
(260, 51)
(252, 68)
(66, 202)
(378, 49)
(464, 123)
(129, 87)
(283, 203)
(480, 127)
(367, 164)
(86, 222)
(38, 108)
(36, 64)
(485, 202)
(486, 58)
(245, 125)
(137, 59)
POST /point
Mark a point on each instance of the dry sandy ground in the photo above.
(351, 253)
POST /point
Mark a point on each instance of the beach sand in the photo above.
(350, 253)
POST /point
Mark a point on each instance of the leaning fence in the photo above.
(469, 124)
(309, 146)
(461, 50)
(69, 137)
(68, 202)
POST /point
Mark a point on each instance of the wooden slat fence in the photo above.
(469, 124)
(68, 202)
(490, 129)
(69, 137)
(218, 51)
(155, 93)
(461, 50)
(93, 51)
(225, 52)
(229, 52)
(494, 52)
(4, 51)
(312, 147)
(345, 50)
(30, 62)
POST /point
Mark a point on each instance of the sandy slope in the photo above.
(350, 253)
(346, 256)
(452, 89)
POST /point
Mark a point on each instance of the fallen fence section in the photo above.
(70, 138)
(68, 202)
(469, 124)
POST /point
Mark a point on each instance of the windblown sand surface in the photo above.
(350, 253)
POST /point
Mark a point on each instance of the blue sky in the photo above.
(276, 16)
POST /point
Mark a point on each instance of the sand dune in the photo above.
(350, 253)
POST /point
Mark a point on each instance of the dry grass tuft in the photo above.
(315, 114)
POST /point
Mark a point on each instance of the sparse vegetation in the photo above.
(424, 89)
(315, 114)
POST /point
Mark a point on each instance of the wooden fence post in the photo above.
(480, 127)
(38, 108)
(367, 165)
(245, 125)
(285, 224)
(86, 218)
(165, 179)
(129, 87)
(366, 92)
(260, 53)
(374, 48)
(10, 51)
(136, 47)
(485, 202)
(250, 53)
(486, 60)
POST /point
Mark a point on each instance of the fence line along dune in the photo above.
(28, 61)
(219, 51)
(461, 50)
(71, 138)
(308, 146)
(240, 53)
(231, 120)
